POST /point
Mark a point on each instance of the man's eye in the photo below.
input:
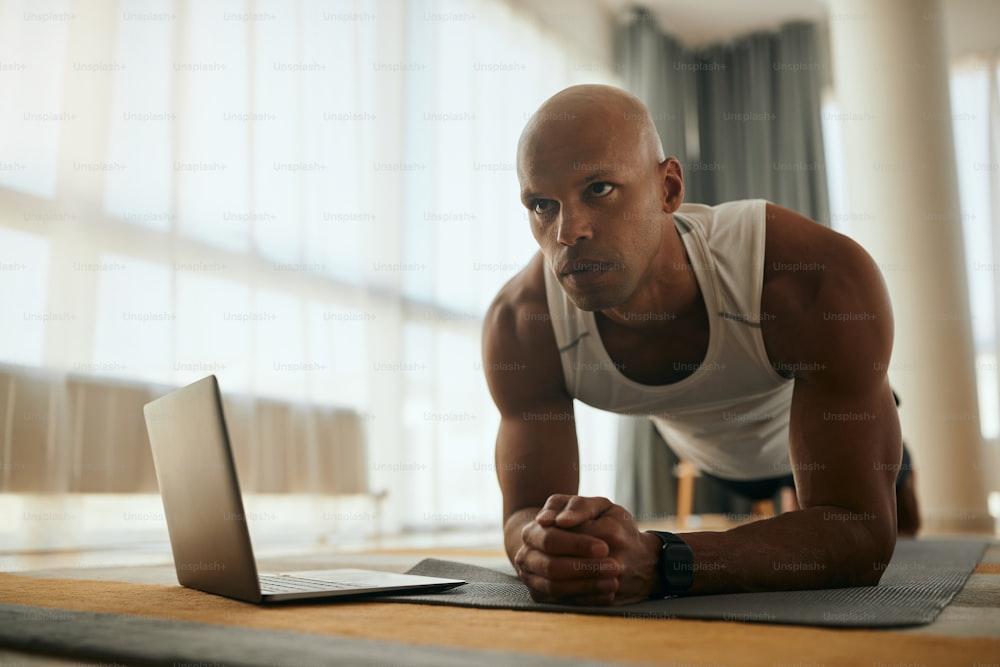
(600, 189)
(543, 206)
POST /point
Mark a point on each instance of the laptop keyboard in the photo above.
(288, 584)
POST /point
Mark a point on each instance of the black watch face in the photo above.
(678, 567)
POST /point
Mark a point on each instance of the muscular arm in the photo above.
(536, 447)
(833, 330)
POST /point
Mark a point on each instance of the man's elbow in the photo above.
(884, 547)
(874, 549)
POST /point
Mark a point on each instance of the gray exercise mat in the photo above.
(919, 582)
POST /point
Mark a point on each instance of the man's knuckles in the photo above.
(560, 542)
(557, 501)
(591, 506)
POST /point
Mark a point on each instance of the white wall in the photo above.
(587, 26)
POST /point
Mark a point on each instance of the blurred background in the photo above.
(316, 201)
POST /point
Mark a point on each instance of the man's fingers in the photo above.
(580, 591)
(569, 580)
(565, 558)
(608, 528)
(562, 568)
(579, 509)
(559, 542)
(567, 511)
(553, 506)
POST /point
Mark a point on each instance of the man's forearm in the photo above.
(818, 547)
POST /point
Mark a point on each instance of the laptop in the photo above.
(205, 518)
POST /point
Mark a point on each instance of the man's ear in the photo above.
(673, 184)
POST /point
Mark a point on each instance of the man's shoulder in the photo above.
(728, 224)
(814, 279)
(521, 358)
(809, 254)
(735, 208)
(520, 311)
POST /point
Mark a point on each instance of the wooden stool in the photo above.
(685, 471)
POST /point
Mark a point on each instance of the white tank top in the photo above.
(730, 416)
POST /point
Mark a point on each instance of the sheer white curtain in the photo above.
(315, 201)
(976, 122)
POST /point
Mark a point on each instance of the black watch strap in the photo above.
(676, 565)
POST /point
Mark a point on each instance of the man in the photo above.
(756, 339)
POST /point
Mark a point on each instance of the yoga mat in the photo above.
(921, 579)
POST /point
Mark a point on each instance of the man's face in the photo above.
(594, 201)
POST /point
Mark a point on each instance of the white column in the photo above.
(890, 72)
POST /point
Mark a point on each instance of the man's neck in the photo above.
(668, 295)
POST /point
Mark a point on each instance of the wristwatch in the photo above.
(676, 564)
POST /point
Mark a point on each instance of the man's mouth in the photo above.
(586, 266)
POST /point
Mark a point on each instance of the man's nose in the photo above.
(573, 227)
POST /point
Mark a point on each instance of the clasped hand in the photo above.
(586, 551)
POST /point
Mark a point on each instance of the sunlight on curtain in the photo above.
(317, 204)
(977, 153)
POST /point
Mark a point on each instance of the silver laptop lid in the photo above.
(201, 492)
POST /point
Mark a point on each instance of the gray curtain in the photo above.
(657, 69)
(744, 119)
(759, 122)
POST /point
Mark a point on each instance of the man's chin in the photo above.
(597, 293)
(592, 302)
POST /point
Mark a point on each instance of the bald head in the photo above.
(599, 193)
(591, 111)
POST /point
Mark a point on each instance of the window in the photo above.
(315, 203)
(32, 110)
(24, 264)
